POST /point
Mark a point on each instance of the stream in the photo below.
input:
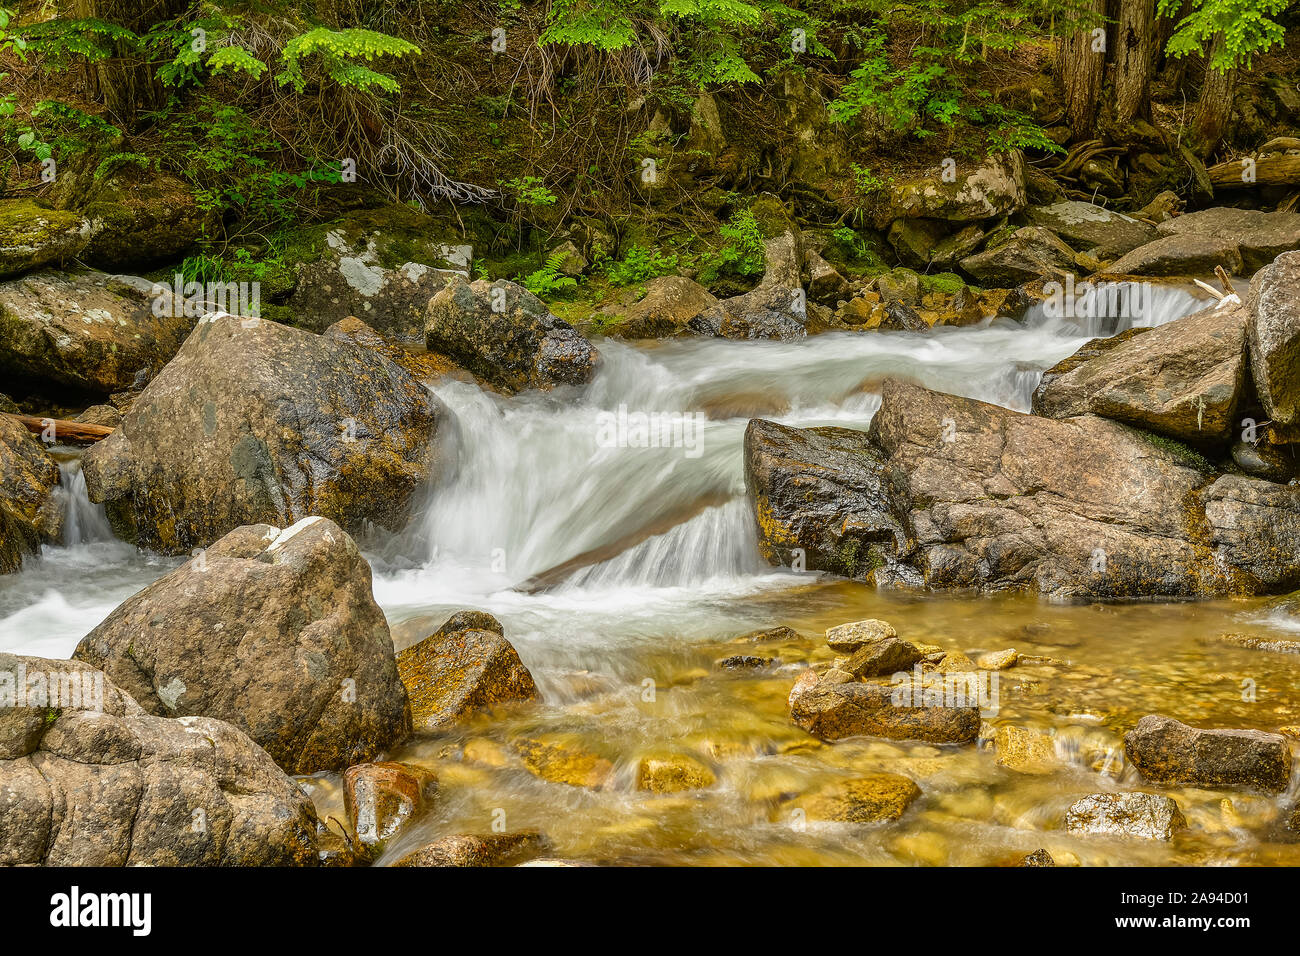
(622, 573)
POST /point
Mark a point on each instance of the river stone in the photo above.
(1254, 527)
(819, 497)
(834, 710)
(1260, 237)
(426, 366)
(95, 781)
(775, 309)
(1184, 379)
(274, 631)
(1169, 752)
(138, 219)
(1081, 507)
(1092, 228)
(825, 284)
(254, 422)
(673, 773)
(889, 655)
(1024, 750)
(381, 798)
(994, 188)
(1093, 348)
(1190, 254)
(847, 638)
(496, 849)
(86, 330)
(1039, 857)
(30, 514)
(875, 798)
(1143, 815)
(1030, 253)
(1263, 459)
(503, 333)
(466, 666)
(33, 236)
(998, 660)
(561, 758)
(1273, 330)
(668, 306)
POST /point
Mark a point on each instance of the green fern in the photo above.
(339, 53)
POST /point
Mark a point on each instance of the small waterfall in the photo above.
(83, 521)
(1108, 308)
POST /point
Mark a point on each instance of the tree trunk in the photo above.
(1082, 65)
(1135, 37)
(126, 82)
(1214, 111)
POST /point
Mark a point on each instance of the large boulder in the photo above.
(1166, 751)
(996, 187)
(1273, 331)
(466, 666)
(276, 632)
(1090, 228)
(819, 498)
(1182, 254)
(87, 330)
(138, 219)
(29, 512)
(87, 778)
(777, 308)
(33, 236)
(381, 265)
(1260, 237)
(1028, 254)
(504, 334)
(669, 304)
(1080, 507)
(1185, 379)
(1253, 526)
(254, 422)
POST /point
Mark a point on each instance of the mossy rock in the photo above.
(139, 218)
(33, 235)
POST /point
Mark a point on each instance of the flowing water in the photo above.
(622, 573)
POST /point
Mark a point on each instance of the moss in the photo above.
(1183, 453)
(947, 283)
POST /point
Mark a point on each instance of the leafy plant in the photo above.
(639, 264)
(741, 253)
(548, 280)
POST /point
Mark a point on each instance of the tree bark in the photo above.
(126, 82)
(1082, 67)
(1135, 39)
(74, 433)
(1214, 110)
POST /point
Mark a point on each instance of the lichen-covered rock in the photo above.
(874, 798)
(504, 334)
(1029, 253)
(29, 513)
(819, 498)
(276, 632)
(1091, 228)
(426, 366)
(33, 236)
(832, 709)
(381, 265)
(381, 798)
(1273, 331)
(86, 330)
(1167, 751)
(1185, 379)
(1260, 237)
(1254, 529)
(466, 666)
(672, 773)
(1141, 815)
(994, 188)
(87, 778)
(497, 849)
(138, 219)
(254, 422)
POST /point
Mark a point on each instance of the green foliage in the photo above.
(548, 280)
(339, 54)
(1247, 27)
(742, 251)
(66, 41)
(115, 161)
(530, 191)
(639, 264)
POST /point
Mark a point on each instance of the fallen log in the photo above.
(1279, 169)
(62, 430)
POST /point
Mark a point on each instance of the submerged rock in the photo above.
(504, 334)
(819, 498)
(87, 330)
(560, 758)
(673, 773)
(1166, 751)
(90, 779)
(1024, 750)
(874, 798)
(1039, 857)
(274, 631)
(29, 513)
(33, 236)
(1146, 816)
(466, 666)
(381, 798)
(1185, 379)
(497, 849)
(254, 422)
